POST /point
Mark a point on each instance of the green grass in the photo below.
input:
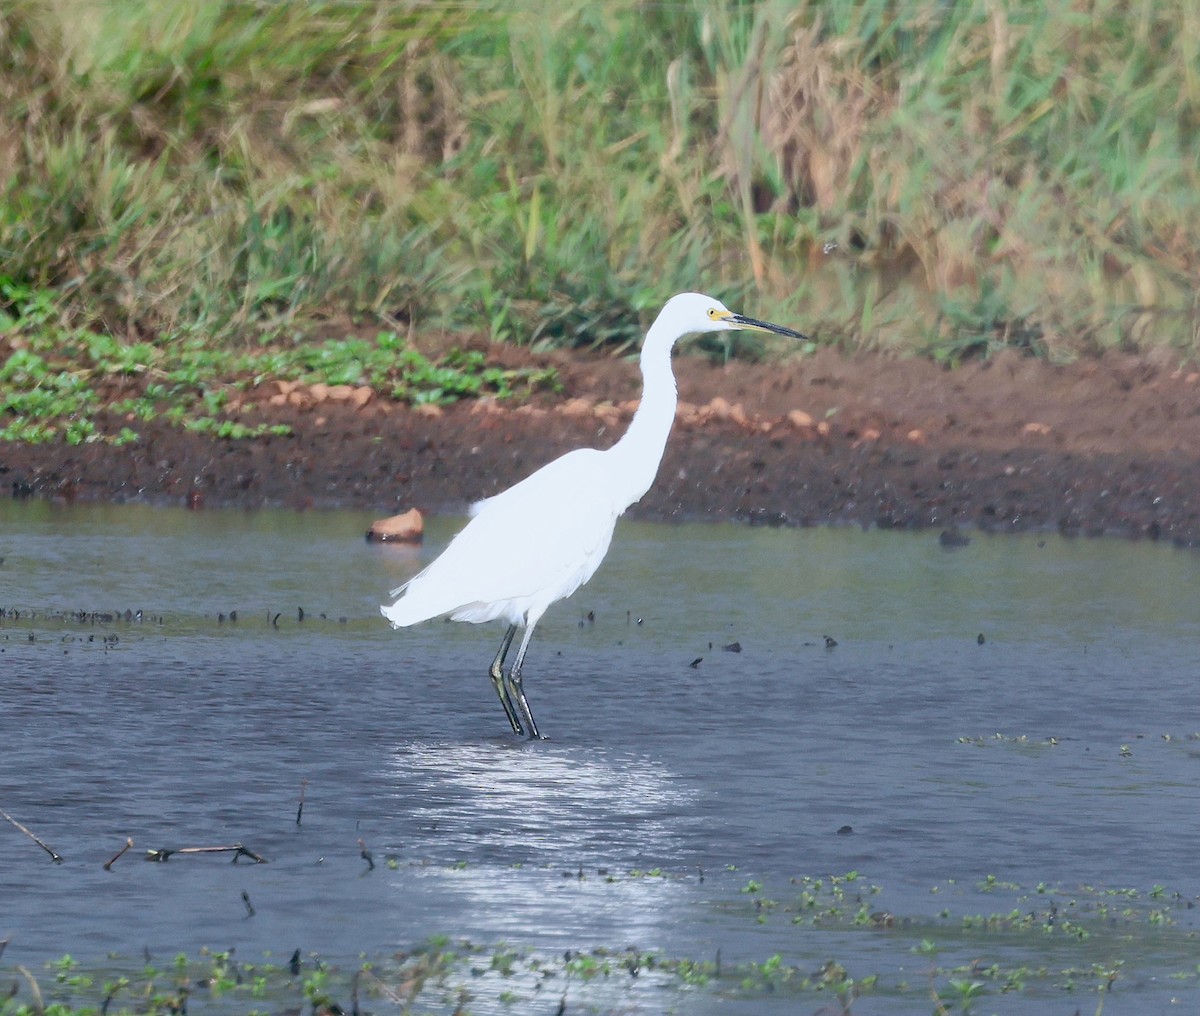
(992, 174)
(80, 386)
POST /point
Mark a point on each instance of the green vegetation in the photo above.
(56, 381)
(1082, 941)
(186, 181)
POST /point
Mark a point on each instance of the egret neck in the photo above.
(637, 455)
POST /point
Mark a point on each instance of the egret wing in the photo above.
(536, 542)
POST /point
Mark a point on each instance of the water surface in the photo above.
(689, 794)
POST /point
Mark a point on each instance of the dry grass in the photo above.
(1039, 159)
(992, 173)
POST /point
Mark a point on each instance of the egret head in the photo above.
(695, 313)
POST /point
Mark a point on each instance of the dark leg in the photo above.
(496, 672)
(512, 682)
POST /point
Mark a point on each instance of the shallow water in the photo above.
(728, 781)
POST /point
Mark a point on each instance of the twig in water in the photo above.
(939, 1007)
(366, 855)
(53, 856)
(384, 989)
(300, 807)
(39, 1005)
(236, 849)
(115, 857)
(249, 905)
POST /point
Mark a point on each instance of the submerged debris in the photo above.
(53, 856)
(237, 849)
(117, 856)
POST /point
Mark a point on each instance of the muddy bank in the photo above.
(1108, 446)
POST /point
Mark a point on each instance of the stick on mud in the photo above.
(53, 856)
(115, 857)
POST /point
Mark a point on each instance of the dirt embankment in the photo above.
(1105, 446)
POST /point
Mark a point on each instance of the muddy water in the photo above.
(689, 794)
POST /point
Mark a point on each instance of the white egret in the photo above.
(541, 539)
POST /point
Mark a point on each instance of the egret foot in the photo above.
(512, 680)
(496, 673)
(516, 694)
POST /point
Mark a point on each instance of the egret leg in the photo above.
(512, 682)
(496, 672)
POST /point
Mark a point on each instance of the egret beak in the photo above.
(755, 325)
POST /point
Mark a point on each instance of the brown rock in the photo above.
(576, 408)
(408, 527)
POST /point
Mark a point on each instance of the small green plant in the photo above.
(316, 987)
(962, 995)
(587, 966)
(504, 961)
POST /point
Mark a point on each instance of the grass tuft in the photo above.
(992, 174)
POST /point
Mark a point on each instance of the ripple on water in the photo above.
(520, 803)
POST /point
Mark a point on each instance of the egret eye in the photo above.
(712, 313)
